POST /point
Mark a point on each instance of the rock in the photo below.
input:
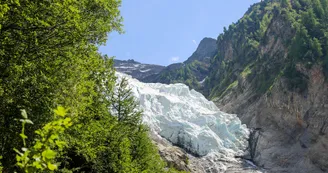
(136, 69)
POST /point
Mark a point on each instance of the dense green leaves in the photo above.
(48, 57)
(48, 54)
(47, 145)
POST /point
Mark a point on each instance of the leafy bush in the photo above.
(47, 146)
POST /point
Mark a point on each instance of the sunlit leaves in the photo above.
(51, 166)
(49, 57)
(60, 111)
(48, 154)
(24, 114)
(48, 144)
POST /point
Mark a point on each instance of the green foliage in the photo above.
(308, 45)
(246, 72)
(265, 79)
(264, 24)
(47, 146)
(49, 57)
(273, 36)
(124, 105)
(297, 81)
(1, 164)
(231, 86)
(143, 155)
(285, 3)
(190, 74)
(114, 142)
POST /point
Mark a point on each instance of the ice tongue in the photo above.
(187, 119)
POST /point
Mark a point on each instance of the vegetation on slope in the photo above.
(49, 58)
(190, 74)
(247, 49)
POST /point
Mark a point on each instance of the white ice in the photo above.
(186, 118)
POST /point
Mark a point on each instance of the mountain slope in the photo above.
(136, 69)
(193, 71)
(271, 70)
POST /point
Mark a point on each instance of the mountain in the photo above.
(193, 71)
(271, 69)
(136, 69)
(205, 50)
(199, 128)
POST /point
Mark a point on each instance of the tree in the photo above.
(318, 8)
(49, 57)
(124, 105)
(144, 155)
(285, 3)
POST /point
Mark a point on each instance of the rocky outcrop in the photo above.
(136, 69)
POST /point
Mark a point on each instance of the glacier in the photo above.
(187, 119)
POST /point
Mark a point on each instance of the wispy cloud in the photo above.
(194, 41)
(175, 59)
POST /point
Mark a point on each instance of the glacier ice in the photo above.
(187, 119)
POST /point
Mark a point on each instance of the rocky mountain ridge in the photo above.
(192, 72)
(136, 69)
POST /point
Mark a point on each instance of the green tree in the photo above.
(49, 57)
(318, 8)
(144, 154)
(285, 3)
(124, 105)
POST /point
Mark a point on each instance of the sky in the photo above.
(168, 31)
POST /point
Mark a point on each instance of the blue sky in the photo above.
(168, 31)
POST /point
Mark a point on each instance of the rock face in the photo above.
(187, 119)
(292, 127)
(204, 52)
(276, 86)
(136, 69)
